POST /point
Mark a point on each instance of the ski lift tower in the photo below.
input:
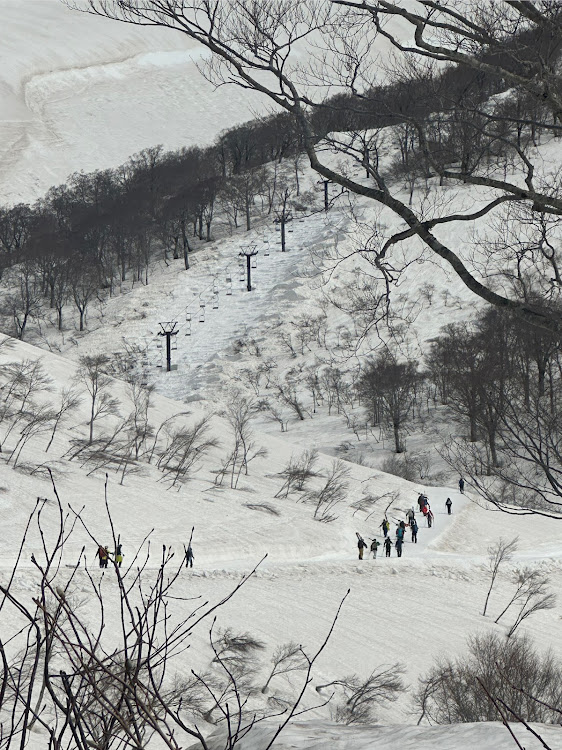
(249, 252)
(168, 330)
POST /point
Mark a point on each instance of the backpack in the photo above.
(400, 533)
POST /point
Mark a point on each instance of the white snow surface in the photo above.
(61, 102)
(79, 92)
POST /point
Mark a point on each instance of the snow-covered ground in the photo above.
(63, 109)
(78, 92)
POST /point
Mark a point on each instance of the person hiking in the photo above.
(429, 518)
(400, 533)
(101, 553)
(414, 528)
(448, 503)
(119, 554)
(461, 485)
(421, 502)
(398, 545)
(361, 544)
(189, 556)
(385, 527)
(374, 547)
(387, 546)
(410, 515)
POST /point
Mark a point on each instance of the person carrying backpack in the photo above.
(385, 527)
(414, 528)
(400, 533)
(119, 554)
(398, 545)
(374, 547)
(410, 515)
(387, 546)
(461, 485)
(101, 553)
(429, 518)
(448, 503)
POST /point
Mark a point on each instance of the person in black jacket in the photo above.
(448, 503)
(361, 544)
(387, 546)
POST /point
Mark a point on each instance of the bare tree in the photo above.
(498, 554)
(286, 658)
(92, 374)
(239, 414)
(510, 48)
(531, 595)
(186, 446)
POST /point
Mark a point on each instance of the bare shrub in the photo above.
(331, 493)
(510, 670)
(297, 473)
(358, 698)
(401, 465)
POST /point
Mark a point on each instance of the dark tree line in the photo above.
(98, 230)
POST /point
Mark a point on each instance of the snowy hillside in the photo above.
(64, 102)
(80, 93)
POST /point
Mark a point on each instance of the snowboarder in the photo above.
(189, 556)
(414, 528)
(429, 518)
(461, 485)
(387, 546)
(398, 545)
(448, 503)
(119, 554)
(410, 515)
(374, 547)
(385, 527)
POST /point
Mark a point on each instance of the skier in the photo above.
(414, 528)
(361, 544)
(410, 515)
(387, 546)
(119, 554)
(461, 485)
(448, 503)
(189, 557)
(398, 545)
(374, 547)
(385, 527)
(429, 518)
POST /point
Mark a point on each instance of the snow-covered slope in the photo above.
(61, 103)
(78, 92)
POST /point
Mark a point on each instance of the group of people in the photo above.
(412, 524)
(103, 554)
